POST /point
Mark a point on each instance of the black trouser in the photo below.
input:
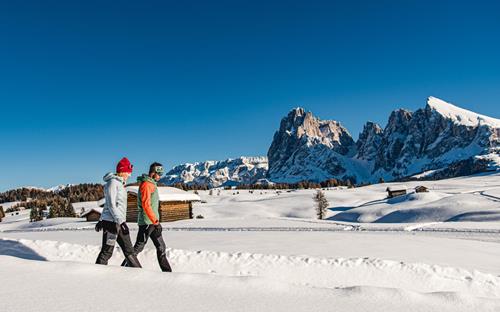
(113, 233)
(146, 231)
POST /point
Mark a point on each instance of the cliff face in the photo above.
(436, 137)
(307, 148)
(369, 142)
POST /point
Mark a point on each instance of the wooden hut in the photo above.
(396, 190)
(81, 208)
(2, 213)
(175, 204)
(92, 214)
(421, 189)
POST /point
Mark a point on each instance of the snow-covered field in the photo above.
(436, 251)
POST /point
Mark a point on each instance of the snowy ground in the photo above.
(265, 252)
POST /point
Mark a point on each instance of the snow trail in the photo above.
(127, 289)
(307, 271)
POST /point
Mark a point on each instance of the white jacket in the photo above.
(115, 195)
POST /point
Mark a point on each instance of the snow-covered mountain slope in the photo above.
(441, 138)
(243, 170)
(58, 188)
(54, 189)
(460, 115)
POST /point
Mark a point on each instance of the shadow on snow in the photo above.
(17, 249)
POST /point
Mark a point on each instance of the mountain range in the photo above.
(438, 141)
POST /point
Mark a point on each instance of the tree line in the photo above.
(298, 185)
(59, 202)
(270, 186)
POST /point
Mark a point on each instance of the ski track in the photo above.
(418, 227)
(306, 271)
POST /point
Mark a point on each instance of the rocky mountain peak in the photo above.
(369, 141)
(399, 121)
(298, 135)
(441, 135)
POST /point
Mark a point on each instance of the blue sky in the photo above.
(83, 83)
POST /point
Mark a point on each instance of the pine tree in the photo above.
(321, 204)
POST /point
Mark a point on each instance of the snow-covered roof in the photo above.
(397, 187)
(101, 202)
(167, 193)
(99, 210)
(460, 115)
(85, 205)
(82, 208)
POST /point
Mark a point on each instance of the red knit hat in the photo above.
(124, 166)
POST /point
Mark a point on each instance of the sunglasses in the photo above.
(159, 170)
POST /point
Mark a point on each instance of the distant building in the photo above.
(82, 208)
(175, 204)
(92, 214)
(421, 189)
(396, 190)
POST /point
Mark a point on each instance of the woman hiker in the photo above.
(113, 216)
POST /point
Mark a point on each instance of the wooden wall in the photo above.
(132, 210)
(169, 211)
(173, 211)
(396, 193)
(93, 216)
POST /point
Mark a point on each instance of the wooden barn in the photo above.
(81, 208)
(396, 190)
(175, 204)
(92, 214)
(421, 189)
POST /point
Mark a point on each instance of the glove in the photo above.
(98, 226)
(154, 229)
(124, 228)
(150, 229)
(158, 229)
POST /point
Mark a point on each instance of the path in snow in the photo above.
(101, 288)
(300, 271)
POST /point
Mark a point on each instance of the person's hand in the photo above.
(158, 229)
(98, 226)
(150, 229)
(124, 228)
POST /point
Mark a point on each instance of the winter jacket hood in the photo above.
(110, 175)
(144, 178)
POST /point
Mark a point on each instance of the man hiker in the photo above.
(113, 216)
(149, 217)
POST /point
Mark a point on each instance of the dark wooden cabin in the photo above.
(396, 190)
(421, 189)
(92, 215)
